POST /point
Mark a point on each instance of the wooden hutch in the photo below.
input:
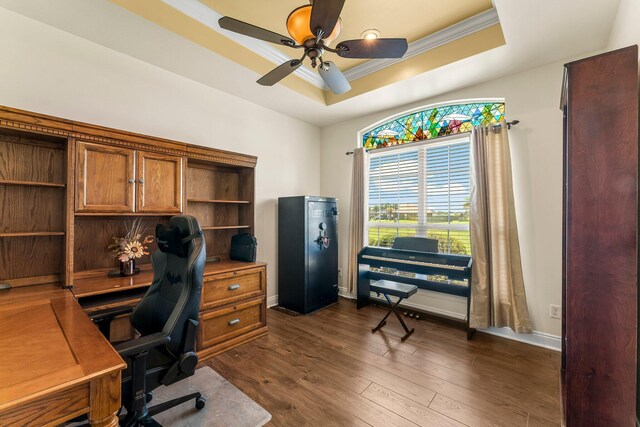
(68, 187)
(600, 240)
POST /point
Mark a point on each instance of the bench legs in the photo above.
(395, 311)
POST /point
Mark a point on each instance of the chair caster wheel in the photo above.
(149, 396)
(200, 402)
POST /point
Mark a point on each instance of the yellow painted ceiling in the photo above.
(410, 19)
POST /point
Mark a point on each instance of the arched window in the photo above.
(419, 174)
(432, 123)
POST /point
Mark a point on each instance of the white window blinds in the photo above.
(421, 191)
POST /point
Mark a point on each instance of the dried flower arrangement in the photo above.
(131, 246)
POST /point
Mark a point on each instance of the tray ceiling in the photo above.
(410, 19)
(437, 36)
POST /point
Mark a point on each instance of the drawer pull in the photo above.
(234, 287)
(234, 322)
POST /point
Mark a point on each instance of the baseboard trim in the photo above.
(430, 310)
(537, 338)
(447, 314)
(344, 292)
(272, 301)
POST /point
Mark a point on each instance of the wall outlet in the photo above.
(339, 272)
(555, 311)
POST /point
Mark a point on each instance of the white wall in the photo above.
(626, 28)
(53, 72)
(533, 97)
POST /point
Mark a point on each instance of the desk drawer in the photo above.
(226, 323)
(223, 289)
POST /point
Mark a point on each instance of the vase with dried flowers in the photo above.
(130, 247)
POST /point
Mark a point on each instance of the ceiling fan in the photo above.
(313, 27)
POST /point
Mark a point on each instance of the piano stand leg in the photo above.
(382, 323)
(394, 311)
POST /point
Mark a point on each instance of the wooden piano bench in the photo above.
(396, 289)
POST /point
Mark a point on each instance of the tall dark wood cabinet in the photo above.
(600, 246)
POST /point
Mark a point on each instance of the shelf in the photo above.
(225, 227)
(217, 201)
(33, 233)
(31, 183)
(125, 214)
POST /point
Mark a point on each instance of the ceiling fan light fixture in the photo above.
(299, 28)
(370, 34)
(306, 26)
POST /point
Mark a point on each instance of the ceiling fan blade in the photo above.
(250, 30)
(375, 48)
(334, 78)
(325, 15)
(280, 72)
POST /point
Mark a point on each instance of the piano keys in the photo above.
(432, 271)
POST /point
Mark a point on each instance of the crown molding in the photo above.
(454, 32)
(209, 17)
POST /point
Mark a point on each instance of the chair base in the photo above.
(133, 420)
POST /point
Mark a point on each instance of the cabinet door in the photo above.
(159, 187)
(104, 178)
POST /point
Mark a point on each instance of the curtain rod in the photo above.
(509, 124)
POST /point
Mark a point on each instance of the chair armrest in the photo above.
(110, 313)
(139, 345)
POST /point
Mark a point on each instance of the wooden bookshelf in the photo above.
(69, 187)
(221, 197)
(33, 234)
(32, 173)
(217, 201)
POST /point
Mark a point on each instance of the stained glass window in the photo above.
(433, 123)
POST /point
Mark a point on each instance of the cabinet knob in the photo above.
(141, 180)
(131, 180)
(234, 287)
(234, 322)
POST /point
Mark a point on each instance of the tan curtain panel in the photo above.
(357, 215)
(497, 290)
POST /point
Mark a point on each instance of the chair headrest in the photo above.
(177, 238)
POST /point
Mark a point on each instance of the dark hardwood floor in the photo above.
(329, 369)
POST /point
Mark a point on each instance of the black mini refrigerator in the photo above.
(307, 252)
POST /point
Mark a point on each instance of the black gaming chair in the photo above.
(166, 318)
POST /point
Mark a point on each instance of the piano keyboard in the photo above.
(421, 263)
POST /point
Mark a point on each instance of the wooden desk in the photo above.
(98, 283)
(54, 363)
(231, 291)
